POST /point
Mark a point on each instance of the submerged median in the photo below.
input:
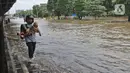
(100, 20)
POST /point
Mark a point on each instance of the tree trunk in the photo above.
(65, 17)
(3, 62)
(95, 17)
(107, 13)
(58, 17)
(58, 14)
(128, 18)
(80, 17)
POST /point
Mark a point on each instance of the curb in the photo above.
(9, 58)
(23, 66)
(11, 61)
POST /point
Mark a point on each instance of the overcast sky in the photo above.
(25, 4)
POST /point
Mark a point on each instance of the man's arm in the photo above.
(39, 32)
(21, 31)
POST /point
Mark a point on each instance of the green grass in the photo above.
(102, 20)
(78, 21)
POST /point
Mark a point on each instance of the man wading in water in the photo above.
(27, 32)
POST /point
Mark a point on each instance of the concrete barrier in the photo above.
(14, 62)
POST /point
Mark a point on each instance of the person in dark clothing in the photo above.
(29, 35)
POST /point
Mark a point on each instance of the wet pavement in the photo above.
(79, 48)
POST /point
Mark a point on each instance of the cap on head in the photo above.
(29, 17)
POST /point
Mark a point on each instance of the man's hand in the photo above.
(27, 30)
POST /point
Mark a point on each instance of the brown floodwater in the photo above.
(82, 48)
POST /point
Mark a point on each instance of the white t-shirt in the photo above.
(32, 37)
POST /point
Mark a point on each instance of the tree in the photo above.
(127, 4)
(108, 5)
(43, 10)
(60, 7)
(82, 8)
(52, 6)
(63, 7)
(79, 7)
(94, 8)
(121, 1)
(23, 13)
(36, 10)
(40, 10)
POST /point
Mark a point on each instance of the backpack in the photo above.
(22, 30)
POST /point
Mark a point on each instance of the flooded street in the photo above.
(82, 48)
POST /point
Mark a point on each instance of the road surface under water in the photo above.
(83, 48)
